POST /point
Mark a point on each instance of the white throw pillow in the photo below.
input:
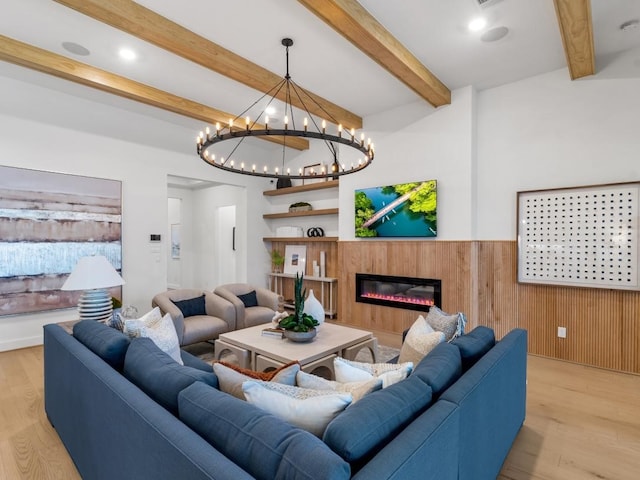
(356, 389)
(230, 379)
(420, 340)
(389, 373)
(159, 329)
(311, 410)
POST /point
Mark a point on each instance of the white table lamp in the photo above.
(93, 275)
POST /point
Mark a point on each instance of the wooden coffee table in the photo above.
(261, 353)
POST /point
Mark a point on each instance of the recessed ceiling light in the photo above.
(127, 54)
(494, 34)
(270, 110)
(75, 48)
(477, 24)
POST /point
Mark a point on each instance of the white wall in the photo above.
(436, 144)
(548, 131)
(31, 138)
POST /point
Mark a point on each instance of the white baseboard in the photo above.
(17, 343)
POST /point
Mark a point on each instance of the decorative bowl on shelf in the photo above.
(300, 207)
(300, 337)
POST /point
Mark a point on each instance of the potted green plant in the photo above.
(278, 260)
(299, 326)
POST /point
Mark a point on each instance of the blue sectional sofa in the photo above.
(124, 409)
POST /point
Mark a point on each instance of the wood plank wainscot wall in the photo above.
(479, 278)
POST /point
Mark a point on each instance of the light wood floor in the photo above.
(582, 423)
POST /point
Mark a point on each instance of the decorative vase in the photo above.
(313, 307)
(300, 337)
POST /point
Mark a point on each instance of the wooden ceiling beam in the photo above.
(576, 30)
(44, 61)
(357, 25)
(151, 27)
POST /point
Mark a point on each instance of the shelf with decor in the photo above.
(300, 239)
(301, 213)
(301, 188)
(320, 195)
(327, 290)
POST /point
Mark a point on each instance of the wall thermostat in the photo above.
(155, 237)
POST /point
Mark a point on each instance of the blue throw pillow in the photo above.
(158, 375)
(249, 299)
(365, 427)
(191, 307)
(106, 342)
(440, 368)
(260, 443)
(474, 345)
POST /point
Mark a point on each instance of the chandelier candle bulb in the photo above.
(324, 126)
(340, 130)
(242, 166)
(286, 122)
(305, 124)
(231, 163)
(247, 121)
(217, 128)
(265, 169)
(288, 171)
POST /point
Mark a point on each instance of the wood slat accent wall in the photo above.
(479, 278)
(448, 261)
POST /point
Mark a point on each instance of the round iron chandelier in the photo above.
(242, 127)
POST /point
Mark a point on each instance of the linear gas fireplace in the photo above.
(400, 292)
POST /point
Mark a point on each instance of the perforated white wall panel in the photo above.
(586, 237)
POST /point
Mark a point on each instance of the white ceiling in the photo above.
(323, 61)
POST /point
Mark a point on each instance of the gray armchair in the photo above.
(263, 305)
(219, 317)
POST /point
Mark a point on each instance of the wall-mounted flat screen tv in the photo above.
(401, 210)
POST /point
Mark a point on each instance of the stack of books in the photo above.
(273, 332)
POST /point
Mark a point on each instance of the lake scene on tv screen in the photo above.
(401, 210)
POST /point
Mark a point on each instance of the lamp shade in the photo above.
(91, 273)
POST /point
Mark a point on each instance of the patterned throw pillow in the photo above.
(420, 340)
(452, 325)
(389, 373)
(231, 377)
(311, 410)
(159, 329)
(356, 389)
(132, 326)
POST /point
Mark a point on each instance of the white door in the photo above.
(227, 243)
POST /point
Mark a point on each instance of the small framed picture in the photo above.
(316, 168)
(295, 259)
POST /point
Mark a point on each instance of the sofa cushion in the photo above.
(192, 306)
(158, 328)
(474, 345)
(309, 409)
(155, 373)
(356, 389)
(440, 368)
(364, 428)
(260, 443)
(231, 377)
(390, 373)
(109, 344)
(249, 299)
(419, 340)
